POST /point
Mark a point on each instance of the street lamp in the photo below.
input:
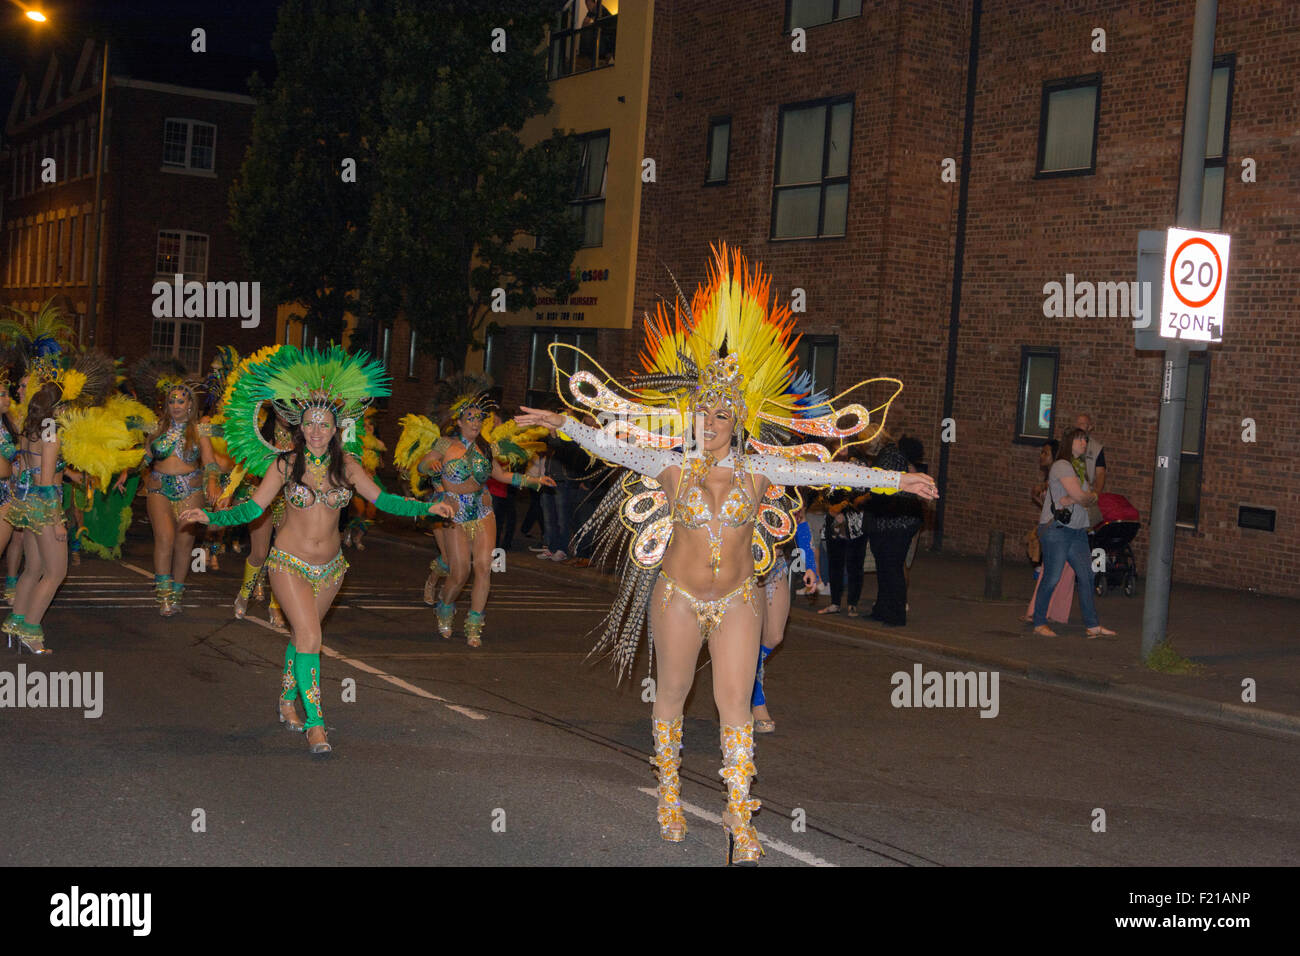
(36, 15)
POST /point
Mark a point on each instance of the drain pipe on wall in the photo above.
(959, 251)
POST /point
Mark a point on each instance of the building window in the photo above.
(183, 252)
(386, 345)
(812, 13)
(494, 356)
(180, 339)
(1037, 395)
(189, 144)
(1067, 127)
(1193, 449)
(541, 374)
(811, 195)
(583, 38)
(719, 149)
(588, 203)
(816, 355)
(73, 249)
(410, 358)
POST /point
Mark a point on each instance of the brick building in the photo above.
(176, 131)
(828, 165)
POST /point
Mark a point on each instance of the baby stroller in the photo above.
(1114, 534)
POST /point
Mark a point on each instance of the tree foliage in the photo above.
(448, 204)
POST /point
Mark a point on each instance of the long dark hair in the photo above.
(1066, 451)
(39, 408)
(337, 476)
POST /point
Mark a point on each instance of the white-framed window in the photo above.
(588, 202)
(178, 338)
(189, 144)
(410, 357)
(183, 252)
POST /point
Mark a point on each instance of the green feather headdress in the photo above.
(295, 381)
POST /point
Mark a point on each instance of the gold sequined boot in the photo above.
(668, 761)
(743, 848)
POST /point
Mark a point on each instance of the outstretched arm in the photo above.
(250, 510)
(644, 461)
(393, 504)
(784, 471)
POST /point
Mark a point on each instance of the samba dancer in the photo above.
(708, 503)
(322, 394)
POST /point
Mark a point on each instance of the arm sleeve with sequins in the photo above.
(783, 471)
(644, 461)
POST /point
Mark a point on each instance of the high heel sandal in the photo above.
(474, 629)
(31, 638)
(10, 627)
(743, 848)
(246, 589)
(446, 618)
(292, 723)
(437, 569)
(667, 760)
(274, 616)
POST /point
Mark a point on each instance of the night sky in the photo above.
(237, 28)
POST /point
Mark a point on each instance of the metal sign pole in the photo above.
(1173, 396)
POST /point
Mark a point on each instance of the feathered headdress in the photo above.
(464, 391)
(296, 381)
(733, 347)
(223, 365)
(156, 377)
(39, 336)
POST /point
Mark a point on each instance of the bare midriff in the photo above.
(686, 560)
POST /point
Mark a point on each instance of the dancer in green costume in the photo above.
(322, 394)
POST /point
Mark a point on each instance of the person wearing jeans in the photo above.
(846, 548)
(895, 520)
(1067, 487)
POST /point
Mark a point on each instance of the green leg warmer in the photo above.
(306, 668)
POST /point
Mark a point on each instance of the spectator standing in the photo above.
(1067, 488)
(566, 465)
(1063, 596)
(895, 520)
(845, 534)
(1094, 463)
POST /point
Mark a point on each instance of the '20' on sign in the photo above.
(1195, 285)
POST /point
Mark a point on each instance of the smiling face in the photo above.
(318, 428)
(714, 428)
(179, 404)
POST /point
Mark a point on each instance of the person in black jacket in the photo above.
(895, 520)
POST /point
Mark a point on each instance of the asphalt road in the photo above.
(519, 753)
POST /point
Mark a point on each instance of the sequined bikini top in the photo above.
(691, 509)
(8, 447)
(301, 496)
(173, 439)
(473, 465)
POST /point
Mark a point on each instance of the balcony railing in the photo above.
(583, 49)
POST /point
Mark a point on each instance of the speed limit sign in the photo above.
(1195, 285)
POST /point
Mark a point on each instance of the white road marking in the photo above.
(769, 843)
(360, 665)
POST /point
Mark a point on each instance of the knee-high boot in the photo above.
(737, 770)
(162, 592)
(668, 761)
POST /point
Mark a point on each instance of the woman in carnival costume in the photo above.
(459, 463)
(705, 519)
(418, 435)
(60, 428)
(363, 512)
(8, 455)
(241, 483)
(322, 394)
(182, 472)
